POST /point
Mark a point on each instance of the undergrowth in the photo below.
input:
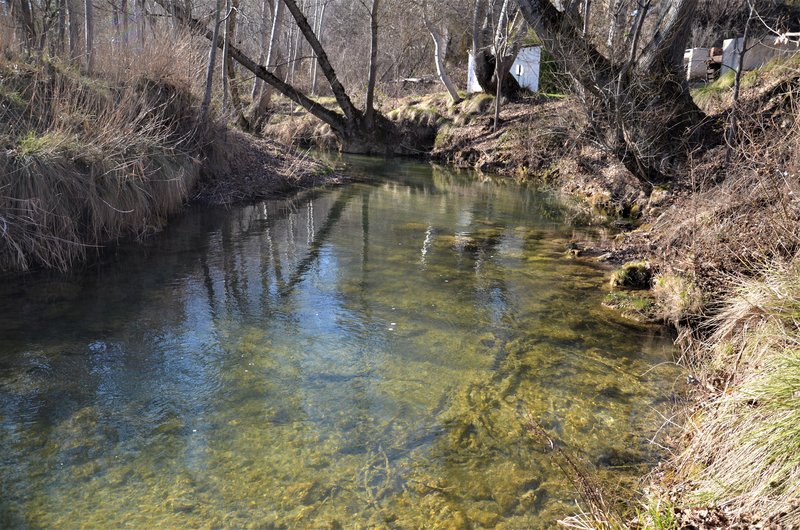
(88, 160)
(746, 450)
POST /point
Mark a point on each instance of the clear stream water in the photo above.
(361, 357)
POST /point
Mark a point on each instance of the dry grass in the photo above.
(738, 218)
(746, 450)
(89, 160)
(728, 255)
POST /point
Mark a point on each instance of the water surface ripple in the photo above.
(361, 357)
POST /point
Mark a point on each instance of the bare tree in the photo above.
(212, 59)
(226, 60)
(440, 48)
(320, 28)
(635, 94)
(264, 43)
(21, 10)
(730, 133)
(261, 103)
(505, 51)
(486, 30)
(369, 113)
(351, 126)
(75, 28)
(88, 13)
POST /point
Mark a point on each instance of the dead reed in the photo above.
(91, 159)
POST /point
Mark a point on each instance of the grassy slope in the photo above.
(726, 253)
(87, 160)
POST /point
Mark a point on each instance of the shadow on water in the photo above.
(360, 357)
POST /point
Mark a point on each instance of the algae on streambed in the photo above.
(364, 357)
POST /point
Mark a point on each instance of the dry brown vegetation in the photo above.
(88, 160)
(726, 251)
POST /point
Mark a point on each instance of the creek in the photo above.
(367, 356)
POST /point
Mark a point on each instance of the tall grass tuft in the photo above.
(88, 160)
(746, 451)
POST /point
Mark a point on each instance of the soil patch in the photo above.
(243, 168)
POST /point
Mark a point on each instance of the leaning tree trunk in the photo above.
(350, 127)
(439, 48)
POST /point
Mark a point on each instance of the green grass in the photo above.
(631, 305)
(747, 448)
(714, 91)
(656, 514)
(722, 88)
(50, 142)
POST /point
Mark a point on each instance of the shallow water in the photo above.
(363, 357)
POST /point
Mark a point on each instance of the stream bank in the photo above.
(719, 242)
(88, 161)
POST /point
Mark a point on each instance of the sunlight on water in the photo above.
(363, 357)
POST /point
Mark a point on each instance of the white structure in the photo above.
(526, 67)
(696, 61)
(758, 52)
(472, 80)
(525, 70)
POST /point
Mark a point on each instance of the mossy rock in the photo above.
(633, 275)
(633, 306)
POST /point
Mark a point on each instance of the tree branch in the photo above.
(336, 121)
(350, 111)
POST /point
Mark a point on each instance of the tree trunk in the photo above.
(485, 61)
(439, 47)
(75, 28)
(369, 111)
(225, 57)
(21, 10)
(257, 83)
(314, 21)
(587, 10)
(295, 52)
(142, 20)
(638, 105)
(730, 133)
(351, 127)
(212, 59)
(262, 101)
(62, 27)
(344, 101)
(115, 20)
(315, 63)
(501, 43)
(88, 12)
(233, 85)
(124, 9)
